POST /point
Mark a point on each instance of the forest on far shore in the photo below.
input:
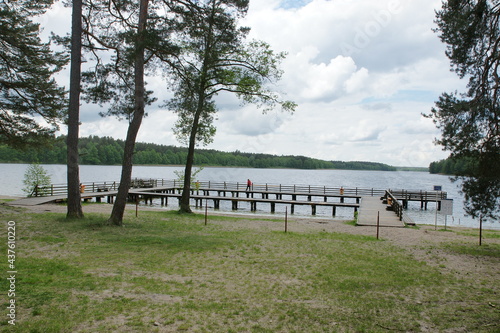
(96, 150)
(453, 166)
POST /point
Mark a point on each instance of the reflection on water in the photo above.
(11, 176)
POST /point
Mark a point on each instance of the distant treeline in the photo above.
(452, 166)
(108, 151)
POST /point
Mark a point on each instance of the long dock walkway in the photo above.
(366, 200)
(372, 208)
(34, 201)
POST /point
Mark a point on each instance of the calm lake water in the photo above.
(11, 177)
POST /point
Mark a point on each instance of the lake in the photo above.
(11, 177)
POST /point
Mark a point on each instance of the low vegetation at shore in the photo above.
(165, 272)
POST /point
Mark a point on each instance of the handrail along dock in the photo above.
(236, 192)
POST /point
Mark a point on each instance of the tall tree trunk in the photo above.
(73, 173)
(186, 191)
(184, 206)
(116, 217)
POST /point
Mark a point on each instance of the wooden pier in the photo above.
(249, 197)
(363, 199)
(374, 211)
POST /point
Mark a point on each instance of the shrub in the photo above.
(36, 180)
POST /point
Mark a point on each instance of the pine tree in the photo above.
(214, 58)
(470, 122)
(73, 174)
(135, 38)
(27, 88)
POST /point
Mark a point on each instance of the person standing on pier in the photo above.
(249, 184)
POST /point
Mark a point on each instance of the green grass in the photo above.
(486, 250)
(487, 234)
(170, 272)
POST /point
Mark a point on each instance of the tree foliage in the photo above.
(27, 88)
(110, 36)
(470, 121)
(453, 166)
(34, 177)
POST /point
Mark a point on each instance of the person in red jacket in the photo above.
(249, 184)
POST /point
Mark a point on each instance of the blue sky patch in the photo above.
(292, 4)
(405, 95)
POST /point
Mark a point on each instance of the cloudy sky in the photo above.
(361, 71)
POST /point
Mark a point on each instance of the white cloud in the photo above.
(308, 80)
(362, 72)
(251, 122)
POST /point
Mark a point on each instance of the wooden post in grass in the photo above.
(136, 205)
(286, 219)
(206, 211)
(378, 223)
(480, 229)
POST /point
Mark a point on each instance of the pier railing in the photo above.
(398, 207)
(103, 186)
(284, 189)
(61, 189)
(417, 195)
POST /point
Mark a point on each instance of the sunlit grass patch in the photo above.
(163, 271)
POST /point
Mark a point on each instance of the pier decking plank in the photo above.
(369, 209)
(34, 201)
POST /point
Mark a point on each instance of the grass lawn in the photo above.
(165, 272)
